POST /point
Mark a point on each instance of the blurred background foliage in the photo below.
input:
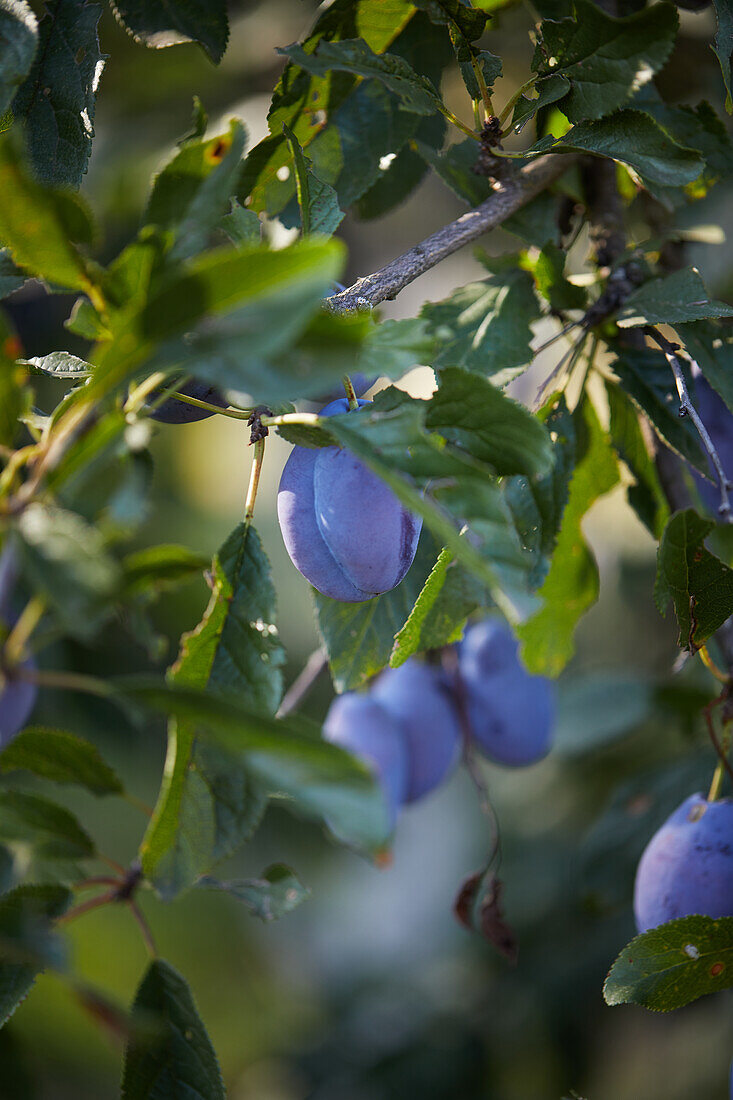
(371, 990)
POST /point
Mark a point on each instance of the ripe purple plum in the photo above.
(173, 411)
(687, 866)
(416, 695)
(510, 712)
(718, 419)
(17, 700)
(344, 529)
(358, 723)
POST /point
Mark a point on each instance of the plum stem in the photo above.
(350, 393)
(234, 414)
(254, 481)
(717, 782)
(303, 683)
(138, 395)
(514, 99)
(20, 634)
(479, 74)
(143, 926)
(66, 681)
(711, 666)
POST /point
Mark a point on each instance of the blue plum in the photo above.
(687, 866)
(361, 725)
(17, 699)
(344, 529)
(718, 419)
(510, 712)
(173, 411)
(416, 695)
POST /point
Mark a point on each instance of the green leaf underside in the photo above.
(52, 830)
(572, 584)
(699, 584)
(19, 37)
(669, 966)
(158, 23)
(170, 1053)
(60, 757)
(27, 943)
(277, 892)
(676, 298)
(210, 802)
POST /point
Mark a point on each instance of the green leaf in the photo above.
(635, 139)
(158, 567)
(417, 93)
(65, 558)
(27, 943)
(276, 893)
(548, 90)
(209, 803)
(61, 364)
(713, 353)
(56, 102)
(647, 380)
(33, 225)
(191, 193)
(60, 757)
(699, 584)
(646, 496)
(285, 755)
(549, 276)
(169, 1054)
(594, 711)
(52, 830)
(318, 202)
(470, 412)
(674, 298)
(669, 966)
(159, 23)
(571, 586)
(485, 326)
(458, 15)
(241, 226)
(407, 640)
(392, 348)
(11, 277)
(18, 42)
(606, 59)
(454, 166)
(723, 46)
(15, 397)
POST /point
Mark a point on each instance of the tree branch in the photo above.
(511, 193)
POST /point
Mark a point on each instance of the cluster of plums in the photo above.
(411, 725)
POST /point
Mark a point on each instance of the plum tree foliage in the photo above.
(420, 522)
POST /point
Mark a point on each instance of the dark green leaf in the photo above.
(18, 42)
(56, 103)
(648, 382)
(455, 167)
(548, 90)
(606, 59)
(458, 15)
(241, 226)
(549, 276)
(11, 277)
(675, 298)
(485, 327)
(723, 46)
(407, 640)
(276, 893)
(34, 226)
(318, 202)
(209, 802)
(470, 412)
(594, 711)
(158, 567)
(669, 966)
(27, 943)
(159, 23)
(646, 496)
(60, 757)
(699, 584)
(66, 559)
(191, 194)
(571, 586)
(169, 1055)
(392, 348)
(52, 830)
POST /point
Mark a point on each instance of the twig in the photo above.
(511, 194)
(688, 409)
(143, 926)
(303, 682)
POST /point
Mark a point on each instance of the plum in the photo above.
(173, 411)
(718, 419)
(357, 723)
(418, 698)
(17, 699)
(687, 866)
(510, 712)
(344, 529)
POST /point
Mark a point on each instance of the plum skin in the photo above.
(510, 712)
(687, 866)
(17, 700)
(173, 411)
(357, 723)
(344, 529)
(418, 698)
